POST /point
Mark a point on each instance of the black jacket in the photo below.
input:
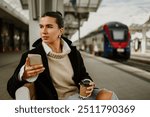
(43, 85)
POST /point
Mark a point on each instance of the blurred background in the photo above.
(113, 37)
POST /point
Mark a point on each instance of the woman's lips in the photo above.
(45, 37)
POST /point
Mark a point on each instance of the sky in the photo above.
(125, 11)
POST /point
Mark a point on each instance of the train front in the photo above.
(117, 41)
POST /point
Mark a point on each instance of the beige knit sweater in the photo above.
(61, 71)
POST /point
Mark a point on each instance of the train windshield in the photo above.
(118, 35)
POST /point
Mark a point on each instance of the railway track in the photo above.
(138, 63)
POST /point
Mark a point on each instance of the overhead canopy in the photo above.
(74, 11)
(82, 6)
(10, 14)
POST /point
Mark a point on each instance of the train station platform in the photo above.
(140, 56)
(127, 82)
(8, 63)
(129, 69)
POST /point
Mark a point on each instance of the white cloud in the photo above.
(125, 11)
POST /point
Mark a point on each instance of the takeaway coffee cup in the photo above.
(83, 85)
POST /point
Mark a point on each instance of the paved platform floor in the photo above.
(127, 82)
(106, 74)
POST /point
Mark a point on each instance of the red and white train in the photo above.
(111, 40)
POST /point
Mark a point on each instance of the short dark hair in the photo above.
(57, 15)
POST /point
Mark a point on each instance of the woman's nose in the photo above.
(44, 30)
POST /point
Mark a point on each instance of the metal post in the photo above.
(34, 9)
(41, 7)
(143, 40)
(79, 21)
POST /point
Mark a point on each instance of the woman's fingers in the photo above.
(90, 89)
(32, 70)
(35, 71)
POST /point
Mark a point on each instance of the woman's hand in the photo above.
(32, 70)
(90, 89)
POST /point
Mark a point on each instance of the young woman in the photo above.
(62, 67)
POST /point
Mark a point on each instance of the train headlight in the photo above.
(120, 50)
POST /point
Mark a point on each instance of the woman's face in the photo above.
(49, 30)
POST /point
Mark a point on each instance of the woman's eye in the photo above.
(49, 26)
(41, 26)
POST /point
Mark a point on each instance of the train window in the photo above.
(118, 35)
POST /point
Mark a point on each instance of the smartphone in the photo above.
(35, 59)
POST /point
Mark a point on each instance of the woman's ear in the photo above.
(62, 31)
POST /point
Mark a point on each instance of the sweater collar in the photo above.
(65, 50)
